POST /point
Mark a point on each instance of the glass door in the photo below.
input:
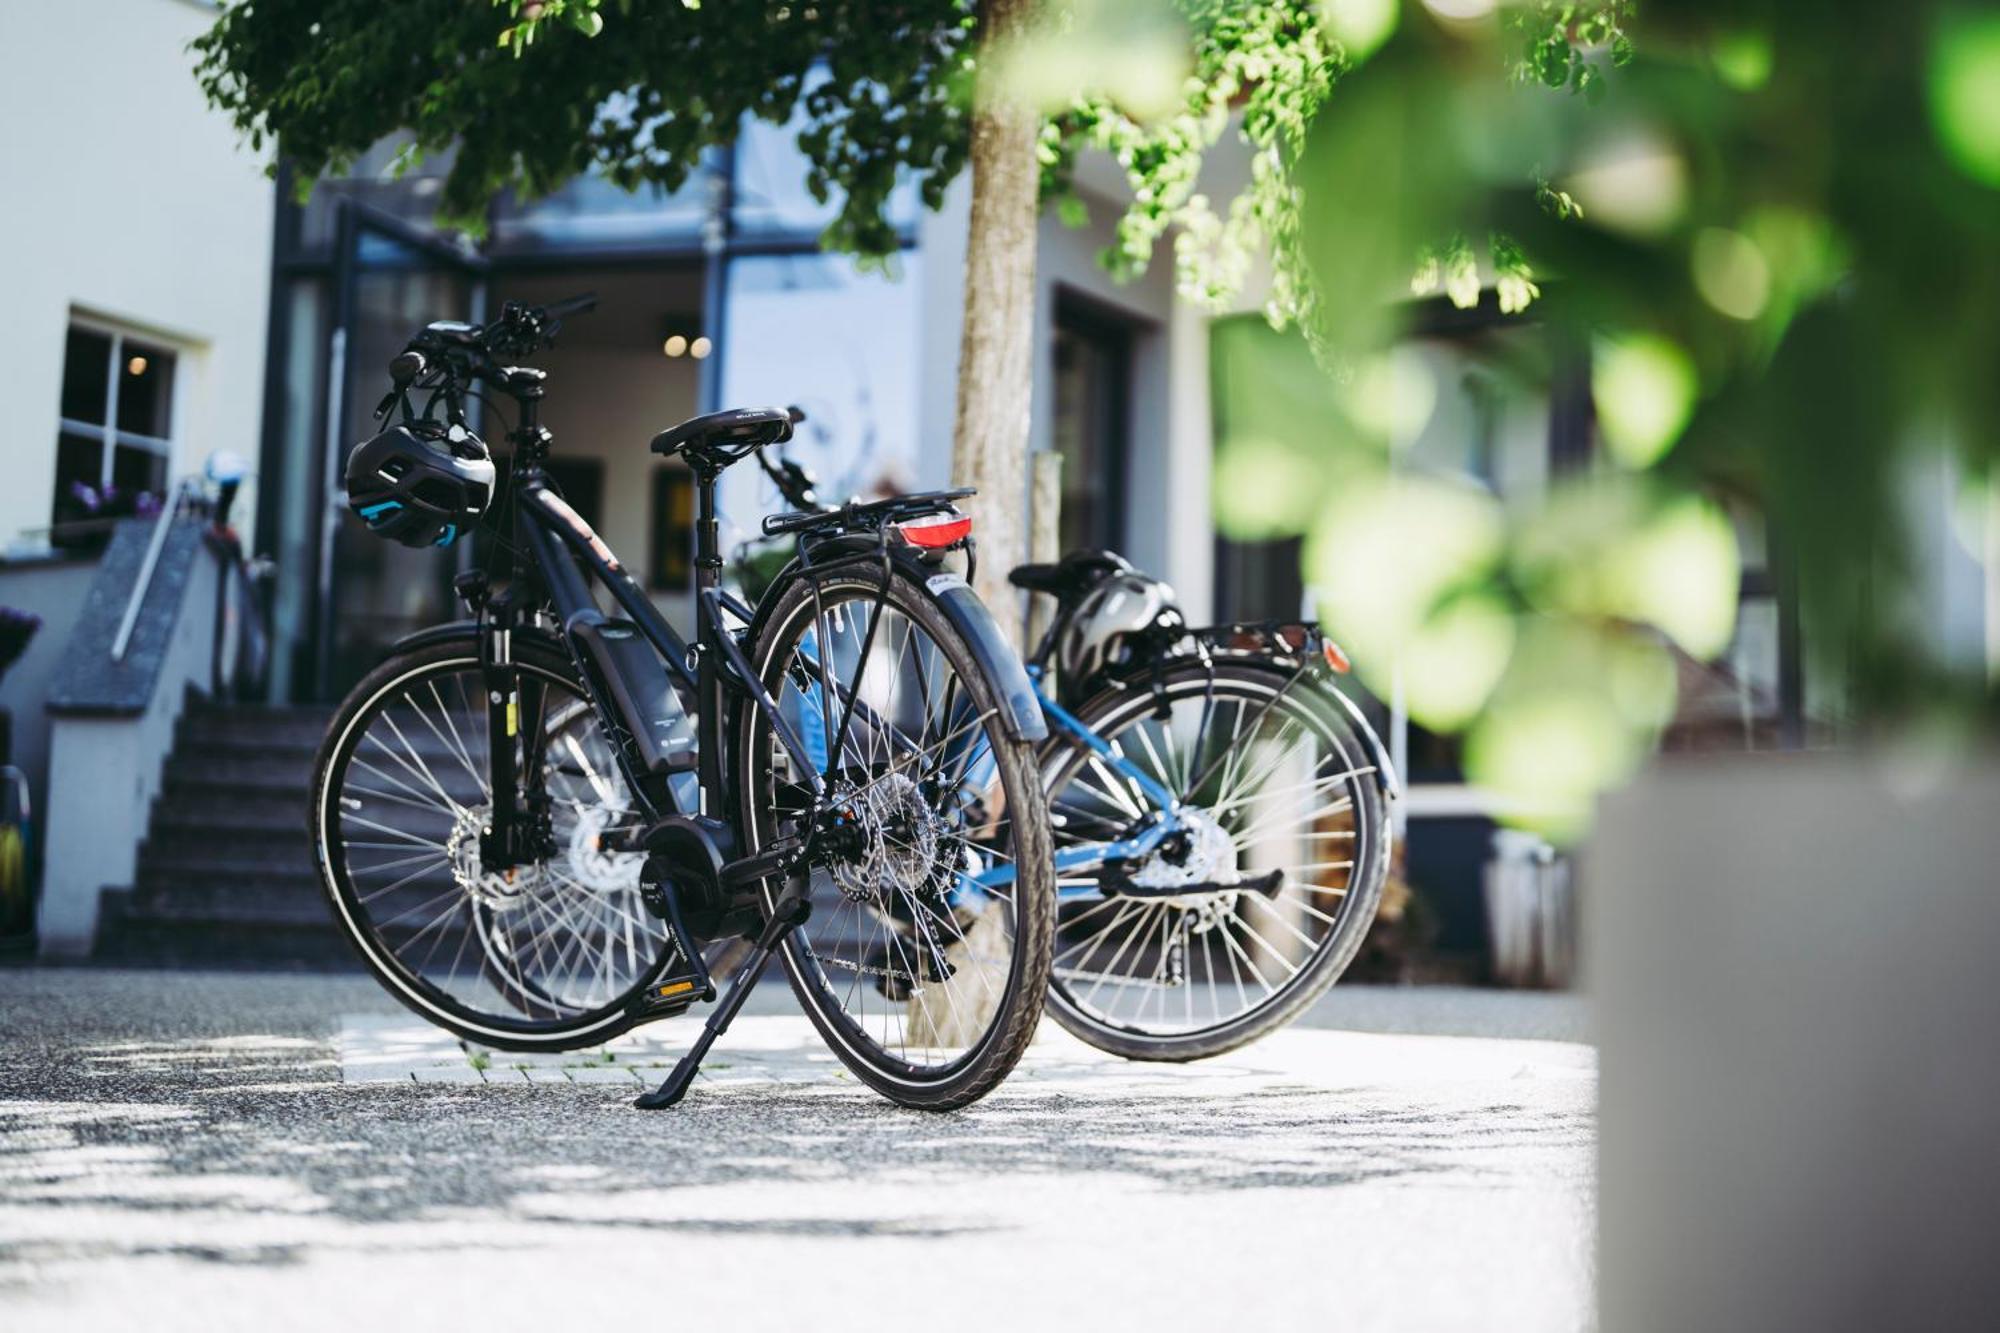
(389, 281)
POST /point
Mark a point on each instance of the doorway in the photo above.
(1092, 422)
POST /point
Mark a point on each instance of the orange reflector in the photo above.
(674, 988)
(1334, 657)
(934, 530)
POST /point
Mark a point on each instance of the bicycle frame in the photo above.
(550, 539)
(1165, 823)
(556, 532)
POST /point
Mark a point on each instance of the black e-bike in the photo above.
(535, 821)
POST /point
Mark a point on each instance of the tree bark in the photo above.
(995, 373)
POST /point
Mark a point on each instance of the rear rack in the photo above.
(855, 517)
(1291, 640)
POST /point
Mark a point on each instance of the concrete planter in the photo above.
(1796, 969)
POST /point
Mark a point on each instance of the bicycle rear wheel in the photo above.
(547, 958)
(922, 965)
(1276, 787)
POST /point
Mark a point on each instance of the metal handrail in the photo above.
(130, 620)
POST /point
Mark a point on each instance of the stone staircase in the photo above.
(225, 876)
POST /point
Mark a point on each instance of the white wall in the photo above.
(127, 199)
(104, 773)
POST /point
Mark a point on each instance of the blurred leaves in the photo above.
(1963, 86)
(1644, 387)
(1773, 230)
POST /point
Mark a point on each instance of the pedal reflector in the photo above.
(671, 989)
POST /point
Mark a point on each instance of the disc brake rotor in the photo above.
(898, 840)
(1210, 854)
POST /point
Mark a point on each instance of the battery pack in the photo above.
(624, 667)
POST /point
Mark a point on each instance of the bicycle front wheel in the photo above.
(1277, 792)
(925, 959)
(549, 956)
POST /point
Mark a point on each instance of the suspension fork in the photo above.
(515, 815)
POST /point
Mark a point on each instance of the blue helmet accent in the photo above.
(448, 536)
(375, 511)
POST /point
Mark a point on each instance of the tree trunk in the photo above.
(995, 375)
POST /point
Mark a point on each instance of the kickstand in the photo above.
(791, 911)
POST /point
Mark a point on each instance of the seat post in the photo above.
(707, 532)
(708, 672)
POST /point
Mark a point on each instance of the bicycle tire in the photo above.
(1121, 705)
(599, 1023)
(1006, 1037)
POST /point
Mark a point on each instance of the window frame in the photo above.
(107, 433)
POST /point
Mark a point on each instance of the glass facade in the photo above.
(361, 266)
(812, 330)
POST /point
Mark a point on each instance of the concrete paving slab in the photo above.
(222, 1153)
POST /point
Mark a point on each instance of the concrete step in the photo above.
(274, 901)
(255, 770)
(134, 934)
(302, 727)
(188, 860)
(247, 808)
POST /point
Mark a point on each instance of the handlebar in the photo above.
(523, 330)
(447, 355)
(793, 481)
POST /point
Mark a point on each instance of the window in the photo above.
(580, 482)
(115, 436)
(672, 568)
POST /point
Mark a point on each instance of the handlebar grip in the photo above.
(575, 305)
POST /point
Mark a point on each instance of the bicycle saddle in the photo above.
(1072, 576)
(722, 438)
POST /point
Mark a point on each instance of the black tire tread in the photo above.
(1035, 917)
(1327, 965)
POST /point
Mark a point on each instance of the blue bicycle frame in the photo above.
(1160, 825)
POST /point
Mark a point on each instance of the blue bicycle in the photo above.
(1219, 812)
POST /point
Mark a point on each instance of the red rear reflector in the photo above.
(1334, 657)
(934, 530)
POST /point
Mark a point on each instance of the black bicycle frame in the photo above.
(558, 537)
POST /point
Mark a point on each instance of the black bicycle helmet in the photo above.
(418, 485)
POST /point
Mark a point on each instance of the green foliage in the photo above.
(517, 94)
(1778, 235)
(1263, 71)
(1570, 45)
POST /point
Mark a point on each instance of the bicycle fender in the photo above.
(1386, 776)
(1020, 710)
(454, 631)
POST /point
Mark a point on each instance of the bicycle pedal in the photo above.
(670, 997)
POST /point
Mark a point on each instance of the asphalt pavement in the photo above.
(222, 1151)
